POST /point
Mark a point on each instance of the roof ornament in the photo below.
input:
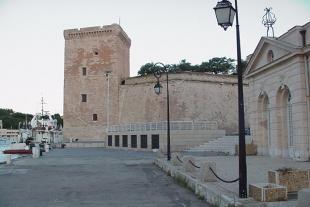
(268, 20)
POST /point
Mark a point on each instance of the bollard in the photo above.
(205, 174)
(188, 167)
(33, 149)
(8, 159)
(176, 159)
(47, 147)
(42, 148)
(35, 152)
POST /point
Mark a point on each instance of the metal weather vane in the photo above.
(268, 20)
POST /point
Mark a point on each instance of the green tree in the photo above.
(4, 112)
(243, 67)
(13, 120)
(184, 66)
(218, 65)
(148, 68)
(59, 119)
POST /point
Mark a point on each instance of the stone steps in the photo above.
(224, 144)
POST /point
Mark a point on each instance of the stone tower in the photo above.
(96, 63)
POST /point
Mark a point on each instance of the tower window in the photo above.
(96, 52)
(84, 70)
(95, 117)
(84, 97)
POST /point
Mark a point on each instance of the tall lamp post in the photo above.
(157, 88)
(225, 13)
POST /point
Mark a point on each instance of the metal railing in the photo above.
(160, 126)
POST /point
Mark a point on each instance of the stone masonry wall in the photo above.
(193, 96)
(100, 50)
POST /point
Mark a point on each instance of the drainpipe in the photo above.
(306, 60)
(307, 73)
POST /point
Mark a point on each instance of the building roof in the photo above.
(290, 42)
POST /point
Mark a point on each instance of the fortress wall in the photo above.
(192, 97)
(117, 98)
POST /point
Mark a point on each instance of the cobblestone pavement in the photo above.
(90, 177)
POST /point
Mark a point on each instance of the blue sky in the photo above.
(32, 44)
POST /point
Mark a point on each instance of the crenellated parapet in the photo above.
(186, 76)
(91, 32)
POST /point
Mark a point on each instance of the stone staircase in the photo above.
(225, 144)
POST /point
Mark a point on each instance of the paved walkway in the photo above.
(257, 168)
(257, 172)
(90, 177)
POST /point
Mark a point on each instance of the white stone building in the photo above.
(279, 104)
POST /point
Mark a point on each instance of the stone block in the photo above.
(267, 192)
(35, 152)
(188, 162)
(176, 159)
(47, 147)
(160, 154)
(303, 198)
(251, 149)
(205, 174)
(293, 179)
(8, 159)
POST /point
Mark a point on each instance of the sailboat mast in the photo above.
(42, 102)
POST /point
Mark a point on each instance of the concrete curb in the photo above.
(209, 194)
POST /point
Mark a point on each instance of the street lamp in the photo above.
(225, 12)
(157, 88)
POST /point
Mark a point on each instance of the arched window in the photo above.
(270, 56)
(264, 123)
(289, 121)
(285, 138)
